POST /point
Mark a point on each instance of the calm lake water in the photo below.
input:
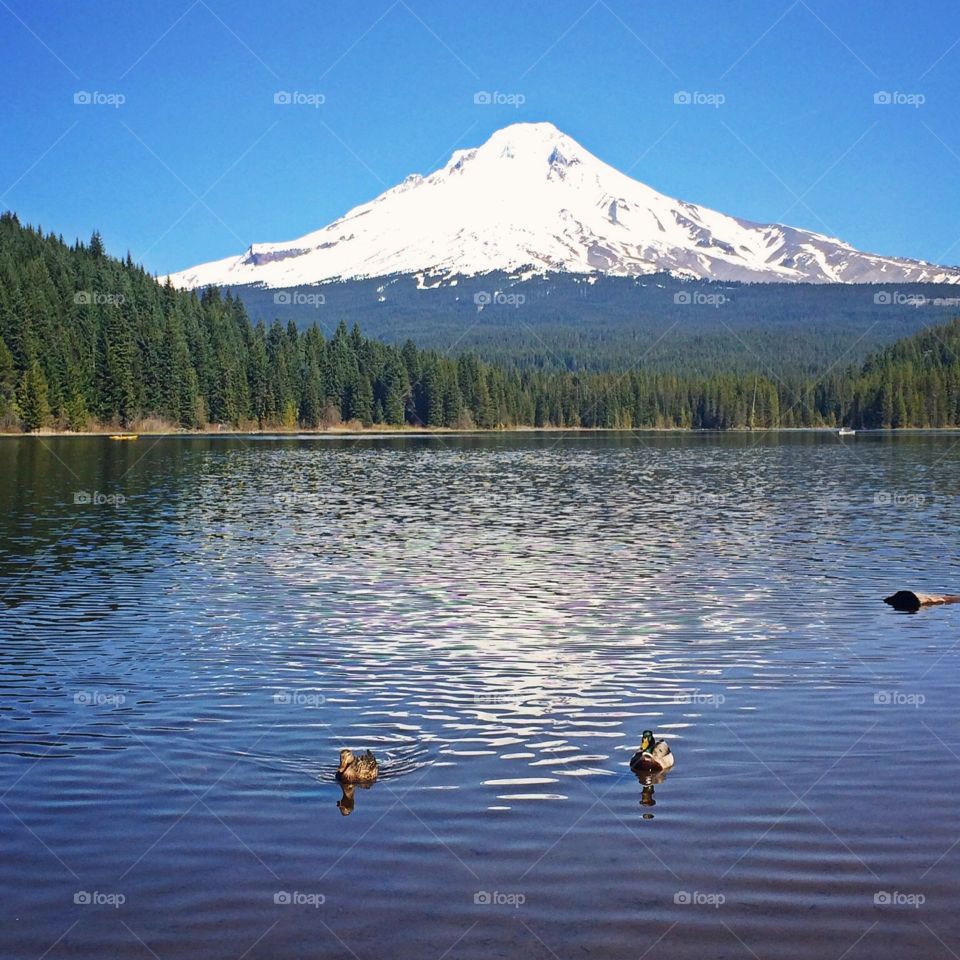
(193, 628)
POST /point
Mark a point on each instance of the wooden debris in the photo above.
(908, 600)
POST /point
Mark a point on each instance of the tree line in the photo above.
(571, 323)
(88, 340)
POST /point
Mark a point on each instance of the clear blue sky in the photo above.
(199, 161)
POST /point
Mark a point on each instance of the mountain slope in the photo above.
(568, 321)
(532, 200)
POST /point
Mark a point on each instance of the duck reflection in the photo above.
(346, 802)
(647, 779)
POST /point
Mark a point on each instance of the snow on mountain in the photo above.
(532, 200)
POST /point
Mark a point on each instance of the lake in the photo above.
(194, 627)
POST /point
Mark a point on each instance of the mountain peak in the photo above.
(532, 135)
(532, 199)
(536, 143)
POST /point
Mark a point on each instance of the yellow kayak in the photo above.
(125, 436)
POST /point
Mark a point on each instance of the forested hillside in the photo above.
(913, 383)
(87, 340)
(567, 322)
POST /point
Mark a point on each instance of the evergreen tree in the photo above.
(9, 411)
(34, 401)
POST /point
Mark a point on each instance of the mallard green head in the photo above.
(648, 742)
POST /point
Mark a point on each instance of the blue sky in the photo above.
(198, 160)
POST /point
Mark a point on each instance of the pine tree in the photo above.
(311, 403)
(116, 367)
(396, 390)
(258, 375)
(360, 400)
(34, 403)
(76, 412)
(9, 411)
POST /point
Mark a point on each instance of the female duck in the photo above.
(653, 754)
(362, 769)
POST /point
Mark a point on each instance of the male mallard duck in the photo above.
(362, 769)
(653, 754)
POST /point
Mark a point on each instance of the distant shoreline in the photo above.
(384, 431)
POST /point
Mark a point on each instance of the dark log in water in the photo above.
(908, 600)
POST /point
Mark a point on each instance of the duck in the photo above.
(362, 769)
(653, 754)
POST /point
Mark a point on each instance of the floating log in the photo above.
(908, 600)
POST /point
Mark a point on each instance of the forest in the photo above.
(89, 341)
(574, 323)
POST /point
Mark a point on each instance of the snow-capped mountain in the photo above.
(531, 200)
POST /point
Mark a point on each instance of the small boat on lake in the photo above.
(124, 436)
(847, 432)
